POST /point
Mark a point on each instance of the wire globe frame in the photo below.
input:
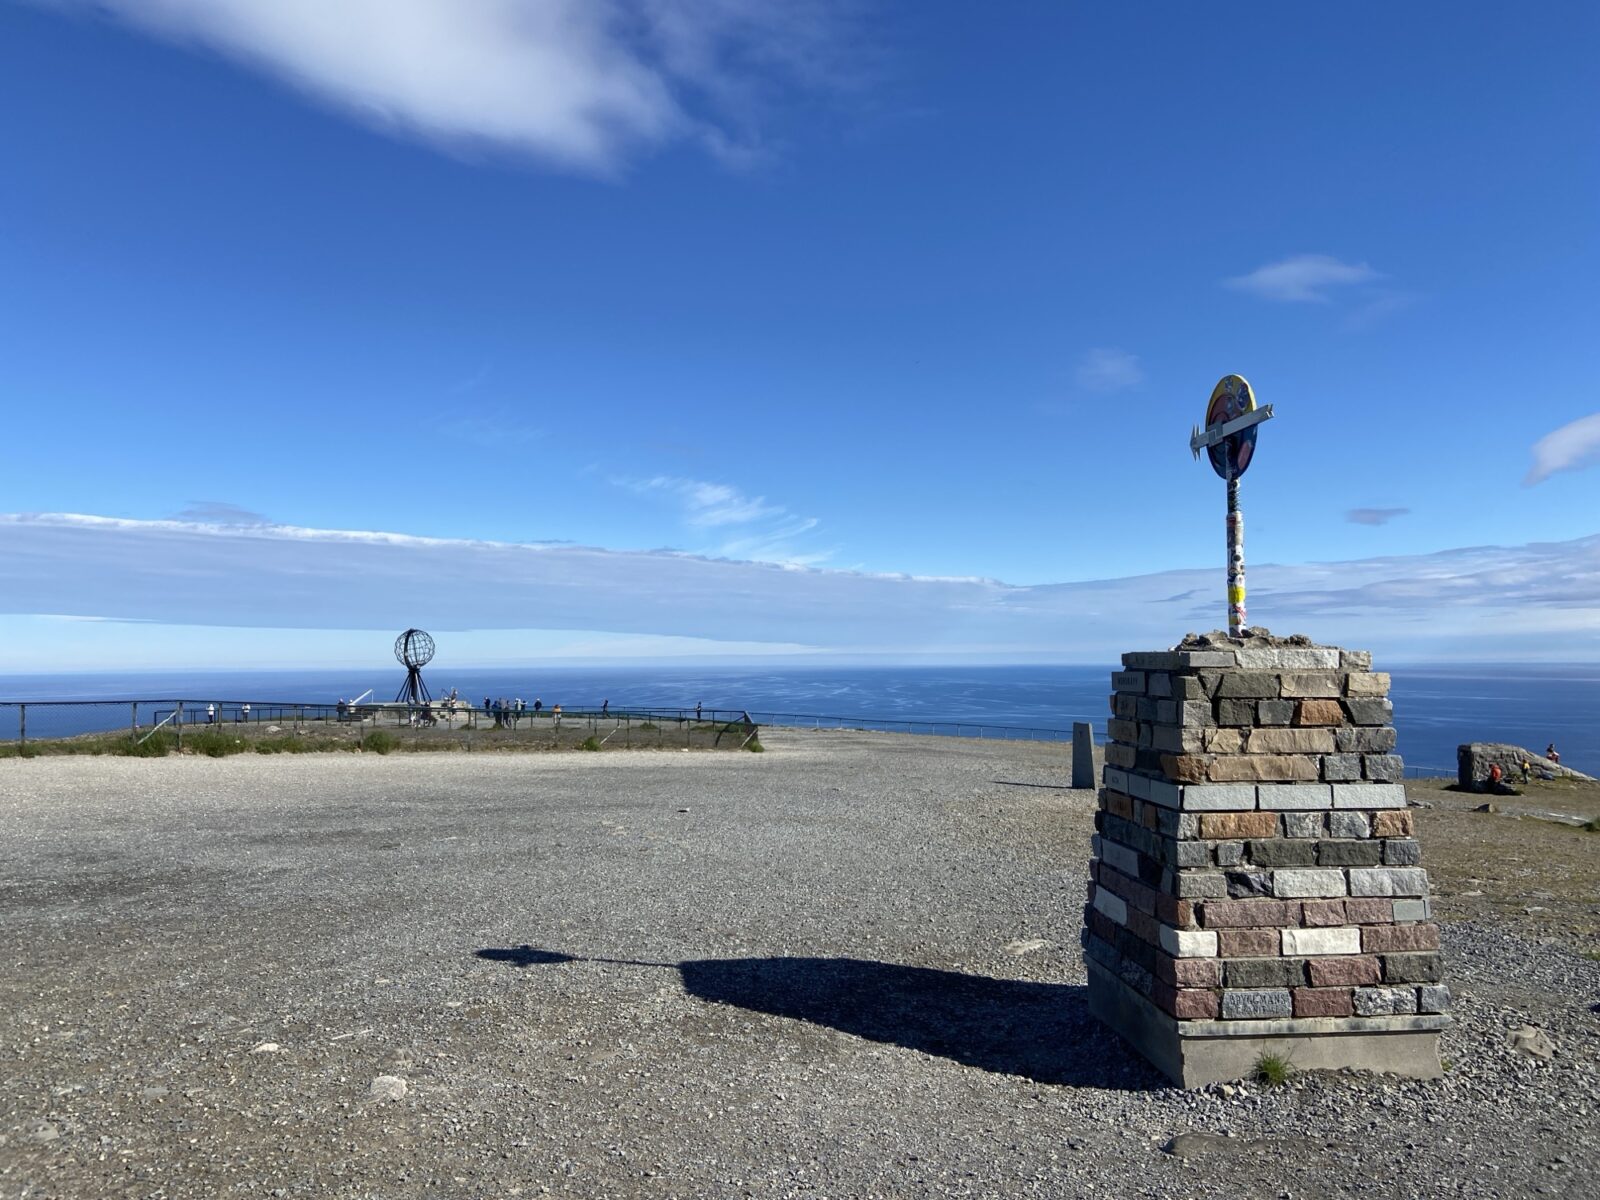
(413, 649)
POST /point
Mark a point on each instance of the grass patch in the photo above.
(590, 743)
(379, 741)
(1273, 1070)
(755, 747)
(648, 727)
(1591, 826)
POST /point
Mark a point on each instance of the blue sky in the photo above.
(860, 289)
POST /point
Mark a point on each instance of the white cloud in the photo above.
(1374, 516)
(1571, 448)
(581, 84)
(1303, 278)
(1109, 370)
(708, 504)
(283, 576)
(749, 527)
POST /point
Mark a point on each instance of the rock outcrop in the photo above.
(1473, 759)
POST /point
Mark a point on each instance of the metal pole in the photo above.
(22, 725)
(1236, 614)
(177, 722)
(133, 720)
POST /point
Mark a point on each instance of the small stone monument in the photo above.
(1255, 884)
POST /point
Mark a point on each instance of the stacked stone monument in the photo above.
(1256, 886)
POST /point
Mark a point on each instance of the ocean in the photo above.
(1436, 707)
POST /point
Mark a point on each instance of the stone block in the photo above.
(1394, 823)
(1209, 798)
(1195, 1005)
(1188, 943)
(1282, 852)
(1341, 768)
(1116, 779)
(1128, 681)
(1372, 740)
(1249, 1006)
(1289, 741)
(1366, 711)
(1288, 658)
(1244, 884)
(1321, 942)
(1383, 768)
(1263, 972)
(1167, 795)
(1118, 804)
(1367, 683)
(1309, 685)
(1249, 685)
(1224, 741)
(1221, 825)
(1346, 971)
(1391, 939)
(1249, 914)
(1319, 914)
(1304, 883)
(1299, 797)
(1248, 943)
(1125, 706)
(1191, 854)
(1322, 1002)
(1229, 854)
(1388, 881)
(1355, 660)
(1188, 972)
(1200, 885)
(1230, 768)
(1236, 712)
(1159, 684)
(1369, 911)
(1319, 712)
(1172, 740)
(1185, 768)
(1121, 756)
(1120, 857)
(1401, 852)
(1302, 824)
(1167, 712)
(1195, 714)
(1385, 1001)
(1365, 853)
(1349, 824)
(1172, 911)
(1413, 910)
(1369, 795)
(1114, 907)
(1274, 712)
(1433, 999)
(1120, 730)
(1189, 687)
(1177, 660)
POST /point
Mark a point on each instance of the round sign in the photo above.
(1231, 398)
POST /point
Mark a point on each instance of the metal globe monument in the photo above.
(413, 649)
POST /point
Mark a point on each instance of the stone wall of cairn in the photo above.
(1255, 884)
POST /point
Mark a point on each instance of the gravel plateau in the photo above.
(846, 967)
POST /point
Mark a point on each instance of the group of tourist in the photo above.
(1496, 781)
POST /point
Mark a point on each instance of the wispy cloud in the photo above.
(1303, 278)
(218, 512)
(284, 576)
(1108, 370)
(581, 84)
(1374, 516)
(744, 526)
(1574, 446)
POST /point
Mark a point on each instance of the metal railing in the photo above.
(22, 721)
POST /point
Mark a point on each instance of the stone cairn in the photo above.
(1255, 886)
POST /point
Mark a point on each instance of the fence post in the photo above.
(133, 721)
(177, 723)
(22, 724)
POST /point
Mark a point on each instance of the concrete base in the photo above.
(1195, 1053)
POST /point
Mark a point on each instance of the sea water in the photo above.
(1436, 707)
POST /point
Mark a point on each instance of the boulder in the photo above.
(1473, 759)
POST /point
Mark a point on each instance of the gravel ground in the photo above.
(846, 967)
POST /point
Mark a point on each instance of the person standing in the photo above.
(1553, 754)
(697, 710)
(211, 714)
(605, 708)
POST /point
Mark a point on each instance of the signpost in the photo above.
(1229, 440)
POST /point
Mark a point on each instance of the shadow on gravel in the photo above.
(1040, 1031)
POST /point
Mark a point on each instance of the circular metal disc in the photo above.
(1232, 397)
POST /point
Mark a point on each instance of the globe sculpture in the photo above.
(413, 649)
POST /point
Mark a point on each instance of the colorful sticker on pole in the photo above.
(1231, 398)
